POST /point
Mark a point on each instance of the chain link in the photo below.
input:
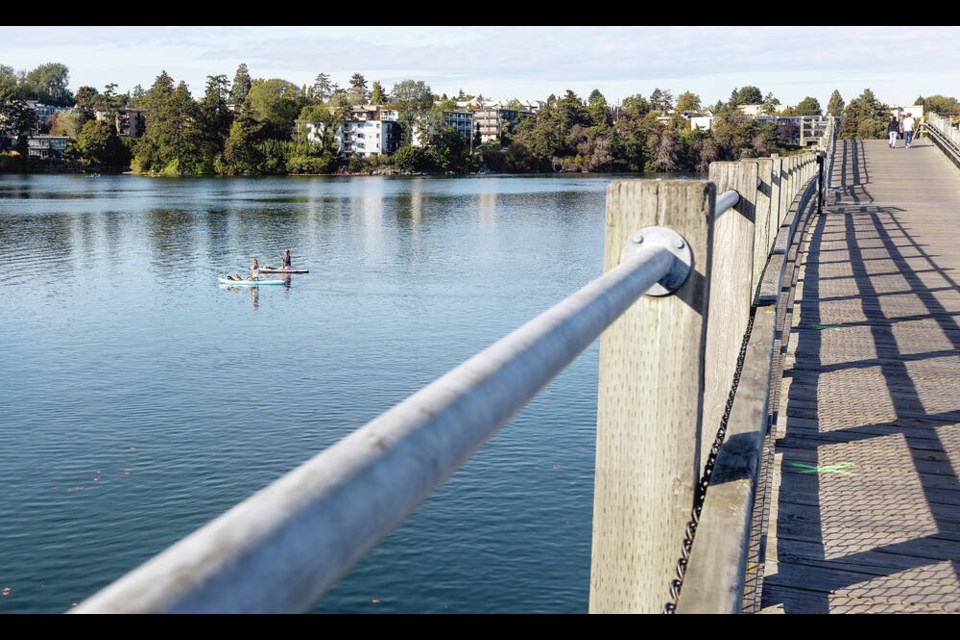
(701, 491)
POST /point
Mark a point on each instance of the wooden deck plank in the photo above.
(866, 513)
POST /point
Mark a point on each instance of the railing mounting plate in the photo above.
(671, 240)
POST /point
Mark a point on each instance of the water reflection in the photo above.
(408, 278)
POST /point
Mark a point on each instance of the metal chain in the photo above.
(701, 491)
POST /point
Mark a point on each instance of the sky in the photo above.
(525, 62)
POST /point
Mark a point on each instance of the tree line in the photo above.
(262, 126)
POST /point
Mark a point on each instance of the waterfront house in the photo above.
(47, 146)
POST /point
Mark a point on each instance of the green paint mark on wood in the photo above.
(838, 468)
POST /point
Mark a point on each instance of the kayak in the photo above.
(250, 283)
(282, 270)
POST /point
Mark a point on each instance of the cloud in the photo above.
(789, 61)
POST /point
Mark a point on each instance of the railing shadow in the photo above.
(850, 516)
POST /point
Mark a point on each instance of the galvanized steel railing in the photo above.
(945, 134)
(282, 548)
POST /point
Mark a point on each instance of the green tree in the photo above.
(809, 107)
(688, 101)
(213, 120)
(321, 89)
(413, 101)
(377, 94)
(661, 100)
(100, 146)
(635, 106)
(746, 95)
(448, 151)
(87, 98)
(326, 119)
(109, 101)
(20, 120)
(170, 143)
(409, 158)
(8, 84)
(241, 154)
(734, 133)
(770, 104)
(136, 96)
(276, 103)
(241, 85)
(835, 105)
(357, 93)
(48, 84)
(865, 118)
(598, 108)
(941, 104)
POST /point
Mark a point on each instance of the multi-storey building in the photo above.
(131, 122)
(360, 137)
(367, 137)
(46, 146)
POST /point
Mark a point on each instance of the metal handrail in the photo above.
(941, 131)
(282, 548)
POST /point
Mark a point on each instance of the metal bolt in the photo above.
(638, 238)
(678, 243)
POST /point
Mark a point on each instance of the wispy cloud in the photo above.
(899, 63)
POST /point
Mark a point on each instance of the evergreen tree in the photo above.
(377, 94)
(809, 107)
(599, 111)
(87, 98)
(242, 154)
(661, 100)
(136, 96)
(321, 89)
(357, 92)
(835, 105)
(170, 142)
(865, 118)
(213, 120)
(241, 85)
(770, 104)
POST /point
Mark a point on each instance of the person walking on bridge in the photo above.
(908, 130)
(893, 130)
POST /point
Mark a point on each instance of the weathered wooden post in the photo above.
(650, 404)
(764, 230)
(776, 195)
(730, 292)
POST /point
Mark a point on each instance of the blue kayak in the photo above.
(251, 283)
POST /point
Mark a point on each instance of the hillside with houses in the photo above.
(269, 126)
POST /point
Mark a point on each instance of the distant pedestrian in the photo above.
(893, 130)
(908, 124)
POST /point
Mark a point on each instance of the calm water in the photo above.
(141, 400)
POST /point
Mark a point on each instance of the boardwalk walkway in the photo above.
(866, 513)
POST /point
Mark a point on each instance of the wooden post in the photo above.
(763, 230)
(786, 191)
(731, 293)
(649, 405)
(776, 197)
